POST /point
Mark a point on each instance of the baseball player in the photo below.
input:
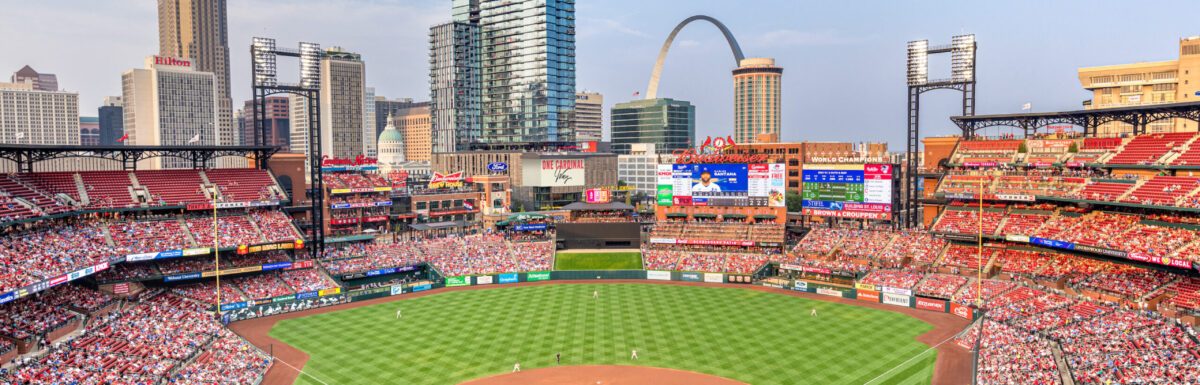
(634, 356)
(398, 313)
(516, 367)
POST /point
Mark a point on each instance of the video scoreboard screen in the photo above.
(848, 190)
(721, 185)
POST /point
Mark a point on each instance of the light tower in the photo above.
(962, 78)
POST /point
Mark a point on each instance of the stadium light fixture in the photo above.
(918, 62)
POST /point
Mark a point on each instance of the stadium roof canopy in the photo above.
(1139, 116)
(584, 206)
(25, 155)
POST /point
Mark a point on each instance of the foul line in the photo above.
(910, 360)
(300, 371)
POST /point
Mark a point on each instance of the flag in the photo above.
(123, 137)
(20, 134)
(1026, 106)
(636, 93)
(194, 139)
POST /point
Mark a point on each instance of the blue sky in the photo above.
(843, 60)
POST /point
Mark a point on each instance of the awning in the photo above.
(704, 215)
(525, 216)
(764, 216)
(502, 223)
(676, 215)
(734, 216)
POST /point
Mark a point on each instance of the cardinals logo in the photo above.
(716, 146)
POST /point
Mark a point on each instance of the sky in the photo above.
(844, 75)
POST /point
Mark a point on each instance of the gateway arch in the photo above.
(652, 89)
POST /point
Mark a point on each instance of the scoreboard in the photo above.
(848, 190)
(729, 185)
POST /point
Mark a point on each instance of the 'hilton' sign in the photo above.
(170, 61)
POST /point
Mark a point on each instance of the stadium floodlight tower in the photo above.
(265, 83)
(962, 78)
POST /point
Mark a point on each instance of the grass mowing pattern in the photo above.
(598, 261)
(750, 336)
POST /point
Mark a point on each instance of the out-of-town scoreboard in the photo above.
(848, 190)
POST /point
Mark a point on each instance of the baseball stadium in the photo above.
(1049, 248)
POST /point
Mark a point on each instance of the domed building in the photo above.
(391, 144)
(391, 152)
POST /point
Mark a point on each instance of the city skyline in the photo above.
(851, 66)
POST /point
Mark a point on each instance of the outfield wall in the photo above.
(329, 297)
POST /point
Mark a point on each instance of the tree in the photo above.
(517, 207)
(794, 201)
(1022, 149)
(1073, 148)
(621, 183)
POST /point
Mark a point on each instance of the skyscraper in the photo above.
(198, 30)
(669, 124)
(30, 116)
(343, 93)
(454, 87)
(112, 121)
(368, 125)
(526, 53)
(756, 101)
(40, 81)
(414, 125)
(589, 116)
(276, 126)
(169, 103)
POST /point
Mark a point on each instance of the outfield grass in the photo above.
(598, 261)
(746, 335)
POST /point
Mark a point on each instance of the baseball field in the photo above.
(747, 335)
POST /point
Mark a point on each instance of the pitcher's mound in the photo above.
(604, 375)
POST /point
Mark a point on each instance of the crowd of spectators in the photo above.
(44, 253)
(275, 226)
(306, 280)
(940, 285)
(78, 297)
(262, 286)
(32, 317)
(230, 231)
(1010, 356)
(206, 292)
(145, 345)
(892, 278)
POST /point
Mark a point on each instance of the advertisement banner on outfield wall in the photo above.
(508, 278)
(458, 281)
(892, 290)
(714, 277)
(864, 286)
(694, 277)
(868, 295)
(658, 275)
(961, 311)
(397, 289)
(483, 280)
(931, 304)
(421, 288)
(829, 292)
(800, 286)
(542, 276)
(895, 299)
